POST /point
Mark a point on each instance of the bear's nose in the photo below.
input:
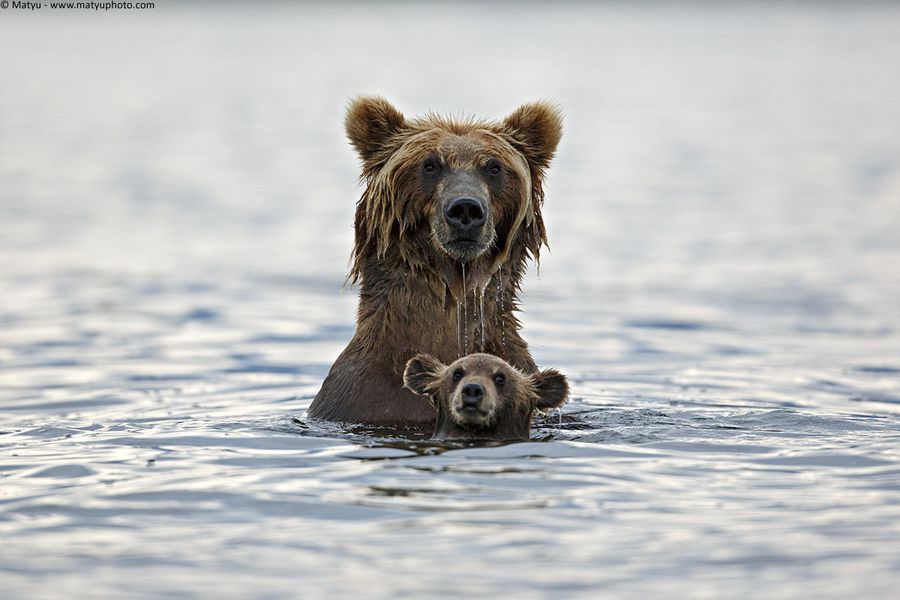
(465, 214)
(472, 393)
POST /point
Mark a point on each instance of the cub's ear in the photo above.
(552, 388)
(536, 128)
(422, 372)
(370, 122)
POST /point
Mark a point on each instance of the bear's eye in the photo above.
(494, 167)
(458, 374)
(430, 166)
(499, 378)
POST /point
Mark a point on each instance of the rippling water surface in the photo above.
(176, 202)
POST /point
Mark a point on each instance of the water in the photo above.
(480, 293)
(176, 201)
(465, 326)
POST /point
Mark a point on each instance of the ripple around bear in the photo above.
(482, 397)
(450, 214)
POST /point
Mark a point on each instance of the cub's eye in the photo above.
(458, 374)
(499, 378)
(494, 168)
(430, 166)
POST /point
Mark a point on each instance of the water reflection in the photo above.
(721, 292)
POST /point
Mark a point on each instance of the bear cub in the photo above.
(482, 397)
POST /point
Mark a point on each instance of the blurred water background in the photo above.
(176, 201)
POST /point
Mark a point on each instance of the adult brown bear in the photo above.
(450, 214)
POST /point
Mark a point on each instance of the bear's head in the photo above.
(481, 396)
(463, 188)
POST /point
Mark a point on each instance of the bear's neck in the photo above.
(441, 307)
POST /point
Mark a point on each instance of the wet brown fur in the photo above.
(510, 404)
(410, 286)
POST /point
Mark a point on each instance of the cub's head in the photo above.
(481, 396)
(461, 188)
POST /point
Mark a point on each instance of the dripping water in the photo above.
(476, 318)
(497, 304)
(481, 314)
(500, 307)
(465, 313)
(458, 329)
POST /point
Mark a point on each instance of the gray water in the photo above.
(176, 203)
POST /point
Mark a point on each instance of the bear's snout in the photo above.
(472, 394)
(473, 403)
(466, 215)
(463, 221)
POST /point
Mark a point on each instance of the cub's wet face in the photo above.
(480, 396)
(476, 393)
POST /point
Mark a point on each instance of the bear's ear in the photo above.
(536, 127)
(370, 122)
(422, 373)
(552, 388)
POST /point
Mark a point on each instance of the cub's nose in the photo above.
(465, 214)
(472, 393)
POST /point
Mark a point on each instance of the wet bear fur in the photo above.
(423, 285)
